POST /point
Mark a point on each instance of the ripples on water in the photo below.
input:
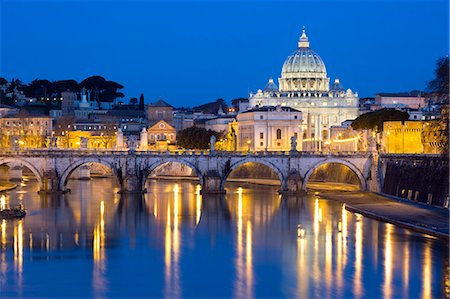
(175, 243)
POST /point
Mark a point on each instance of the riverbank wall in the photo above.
(420, 178)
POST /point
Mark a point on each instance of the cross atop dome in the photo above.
(303, 43)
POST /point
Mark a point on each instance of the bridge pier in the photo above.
(375, 178)
(292, 185)
(15, 173)
(50, 183)
(212, 184)
(131, 184)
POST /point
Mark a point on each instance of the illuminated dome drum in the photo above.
(304, 70)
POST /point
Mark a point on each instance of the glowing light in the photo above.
(3, 233)
(18, 245)
(2, 202)
(301, 233)
(387, 288)
(426, 276)
(155, 209)
(198, 210)
(357, 288)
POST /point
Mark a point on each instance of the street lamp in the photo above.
(248, 144)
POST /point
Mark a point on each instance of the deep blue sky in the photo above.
(193, 52)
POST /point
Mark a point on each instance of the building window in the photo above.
(295, 116)
(261, 143)
(261, 135)
(261, 117)
(278, 133)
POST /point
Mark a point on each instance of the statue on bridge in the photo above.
(84, 142)
(132, 143)
(212, 142)
(293, 144)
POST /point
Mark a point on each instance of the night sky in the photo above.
(194, 52)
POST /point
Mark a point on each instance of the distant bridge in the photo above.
(52, 167)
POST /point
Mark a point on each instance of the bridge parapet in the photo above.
(132, 167)
(108, 152)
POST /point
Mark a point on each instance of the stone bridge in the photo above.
(52, 167)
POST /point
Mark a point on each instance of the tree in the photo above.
(133, 101)
(374, 120)
(195, 138)
(39, 88)
(94, 84)
(437, 131)
(440, 85)
(212, 107)
(141, 102)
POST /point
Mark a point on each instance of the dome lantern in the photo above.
(303, 42)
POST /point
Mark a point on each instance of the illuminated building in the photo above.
(403, 137)
(161, 131)
(412, 100)
(98, 135)
(266, 128)
(24, 130)
(304, 86)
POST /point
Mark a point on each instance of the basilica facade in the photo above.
(305, 86)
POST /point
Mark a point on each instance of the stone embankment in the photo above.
(404, 213)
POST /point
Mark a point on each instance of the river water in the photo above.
(174, 243)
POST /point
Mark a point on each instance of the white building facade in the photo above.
(267, 129)
(304, 86)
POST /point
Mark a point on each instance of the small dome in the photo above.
(337, 86)
(271, 86)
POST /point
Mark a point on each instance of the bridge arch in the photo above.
(272, 166)
(69, 170)
(354, 168)
(153, 166)
(38, 174)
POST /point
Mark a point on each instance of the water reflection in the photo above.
(358, 285)
(243, 285)
(173, 242)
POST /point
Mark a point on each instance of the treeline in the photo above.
(196, 138)
(98, 89)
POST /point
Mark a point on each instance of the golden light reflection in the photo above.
(244, 260)
(328, 255)
(18, 251)
(344, 235)
(426, 275)
(198, 204)
(98, 247)
(406, 267)
(249, 261)
(3, 233)
(2, 202)
(357, 287)
(302, 279)
(316, 223)
(155, 208)
(387, 289)
(172, 247)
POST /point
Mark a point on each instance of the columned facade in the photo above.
(305, 86)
